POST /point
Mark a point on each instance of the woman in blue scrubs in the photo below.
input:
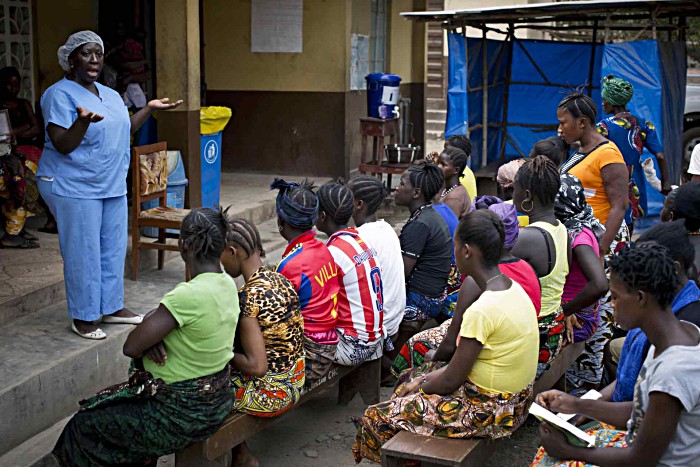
(82, 178)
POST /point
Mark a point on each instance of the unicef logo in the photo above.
(211, 152)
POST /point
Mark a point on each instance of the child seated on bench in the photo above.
(361, 298)
(485, 388)
(663, 419)
(183, 392)
(310, 267)
(268, 369)
(439, 343)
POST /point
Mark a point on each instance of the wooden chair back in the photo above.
(149, 174)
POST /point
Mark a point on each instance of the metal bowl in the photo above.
(401, 153)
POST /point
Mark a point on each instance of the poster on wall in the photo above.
(359, 61)
(276, 26)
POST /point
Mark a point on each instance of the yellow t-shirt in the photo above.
(588, 171)
(505, 322)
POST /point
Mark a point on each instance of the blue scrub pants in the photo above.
(92, 234)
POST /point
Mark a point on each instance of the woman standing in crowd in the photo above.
(452, 162)
(268, 366)
(439, 344)
(426, 249)
(631, 136)
(490, 375)
(361, 298)
(586, 282)
(662, 419)
(535, 189)
(600, 167)
(177, 397)
(82, 178)
(369, 193)
(310, 267)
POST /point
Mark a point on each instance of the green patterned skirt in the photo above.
(135, 422)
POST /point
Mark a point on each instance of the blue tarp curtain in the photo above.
(541, 72)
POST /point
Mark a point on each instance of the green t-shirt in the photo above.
(206, 310)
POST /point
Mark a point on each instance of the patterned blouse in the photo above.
(271, 298)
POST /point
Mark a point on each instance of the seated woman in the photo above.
(452, 162)
(554, 147)
(361, 299)
(182, 393)
(535, 189)
(463, 143)
(506, 179)
(439, 344)
(426, 246)
(586, 282)
(268, 366)
(491, 373)
(369, 193)
(310, 268)
(662, 420)
(685, 305)
(687, 207)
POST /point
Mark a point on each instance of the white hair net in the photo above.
(73, 42)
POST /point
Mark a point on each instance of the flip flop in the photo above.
(97, 334)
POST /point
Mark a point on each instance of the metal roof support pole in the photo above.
(484, 101)
(510, 43)
(591, 64)
(653, 23)
(607, 28)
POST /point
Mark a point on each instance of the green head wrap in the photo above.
(616, 91)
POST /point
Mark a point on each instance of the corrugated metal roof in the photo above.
(543, 12)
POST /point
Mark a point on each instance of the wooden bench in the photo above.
(216, 450)
(465, 452)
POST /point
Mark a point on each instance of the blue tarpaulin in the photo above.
(541, 72)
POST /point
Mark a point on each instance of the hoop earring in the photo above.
(532, 205)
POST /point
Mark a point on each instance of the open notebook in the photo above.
(576, 436)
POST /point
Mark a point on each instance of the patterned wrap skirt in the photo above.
(413, 352)
(270, 395)
(552, 330)
(142, 419)
(319, 358)
(588, 368)
(454, 283)
(469, 412)
(605, 437)
(352, 351)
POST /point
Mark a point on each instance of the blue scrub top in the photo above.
(97, 168)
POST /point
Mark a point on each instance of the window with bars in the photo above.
(16, 42)
(378, 37)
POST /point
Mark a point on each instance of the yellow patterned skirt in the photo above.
(469, 412)
(271, 395)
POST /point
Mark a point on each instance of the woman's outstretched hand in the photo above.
(163, 104)
(87, 116)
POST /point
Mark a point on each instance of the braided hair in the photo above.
(674, 237)
(579, 105)
(648, 268)
(554, 147)
(428, 177)
(303, 195)
(245, 235)
(369, 189)
(460, 142)
(458, 158)
(484, 229)
(541, 176)
(336, 200)
(203, 233)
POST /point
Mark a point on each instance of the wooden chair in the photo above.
(150, 178)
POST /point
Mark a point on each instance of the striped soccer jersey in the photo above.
(361, 297)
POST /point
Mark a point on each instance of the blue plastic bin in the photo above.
(211, 169)
(382, 94)
(177, 182)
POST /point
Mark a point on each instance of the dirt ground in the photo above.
(321, 433)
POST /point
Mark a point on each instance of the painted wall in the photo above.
(230, 65)
(54, 21)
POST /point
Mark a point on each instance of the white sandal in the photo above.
(98, 334)
(120, 320)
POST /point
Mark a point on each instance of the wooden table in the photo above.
(379, 129)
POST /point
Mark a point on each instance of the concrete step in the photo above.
(435, 125)
(46, 369)
(436, 113)
(36, 451)
(435, 103)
